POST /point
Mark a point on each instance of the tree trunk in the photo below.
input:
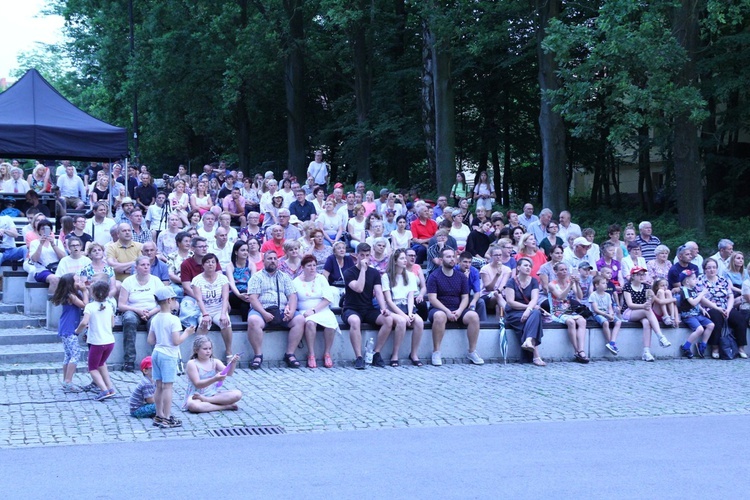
(505, 201)
(496, 177)
(644, 171)
(690, 211)
(294, 87)
(362, 93)
(551, 126)
(445, 123)
(428, 102)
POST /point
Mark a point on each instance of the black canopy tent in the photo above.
(37, 122)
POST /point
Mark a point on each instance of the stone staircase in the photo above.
(26, 345)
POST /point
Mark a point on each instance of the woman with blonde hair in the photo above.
(38, 179)
(527, 248)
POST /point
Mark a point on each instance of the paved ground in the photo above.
(38, 413)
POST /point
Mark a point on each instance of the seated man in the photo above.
(71, 188)
(234, 205)
(122, 253)
(158, 268)
(15, 184)
(275, 242)
(362, 286)
(274, 303)
(9, 233)
(448, 292)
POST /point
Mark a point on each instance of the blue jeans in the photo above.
(130, 322)
(17, 253)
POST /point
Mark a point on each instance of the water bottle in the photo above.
(369, 349)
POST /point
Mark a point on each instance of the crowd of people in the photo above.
(282, 253)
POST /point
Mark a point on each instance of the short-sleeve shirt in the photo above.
(400, 291)
(361, 301)
(423, 231)
(164, 325)
(449, 289)
(211, 292)
(189, 269)
(335, 274)
(265, 287)
(100, 323)
(674, 272)
(122, 254)
(522, 295)
(144, 389)
(142, 296)
(637, 297)
(602, 301)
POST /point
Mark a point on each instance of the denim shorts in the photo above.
(164, 367)
(693, 322)
(601, 320)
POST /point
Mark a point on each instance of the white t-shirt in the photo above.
(70, 265)
(142, 296)
(48, 255)
(318, 171)
(7, 223)
(99, 232)
(157, 216)
(209, 235)
(401, 241)
(211, 292)
(460, 235)
(163, 325)
(100, 323)
(400, 292)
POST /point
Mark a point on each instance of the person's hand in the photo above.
(410, 318)
(190, 330)
(384, 312)
(418, 299)
(267, 316)
(725, 312)
(224, 320)
(205, 321)
(245, 297)
(525, 315)
(287, 314)
(219, 377)
(453, 316)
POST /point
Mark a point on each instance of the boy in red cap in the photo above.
(142, 400)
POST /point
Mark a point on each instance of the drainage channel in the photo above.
(266, 430)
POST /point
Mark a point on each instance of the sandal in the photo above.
(415, 362)
(581, 357)
(394, 363)
(291, 361)
(538, 362)
(256, 362)
(528, 345)
(327, 361)
(311, 363)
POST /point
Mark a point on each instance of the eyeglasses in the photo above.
(201, 246)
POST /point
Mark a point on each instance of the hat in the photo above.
(165, 293)
(581, 241)
(338, 185)
(384, 191)
(127, 200)
(146, 363)
(277, 194)
(636, 270)
(584, 265)
(294, 220)
(685, 273)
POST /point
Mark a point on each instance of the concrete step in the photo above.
(12, 320)
(22, 336)
(11, 308)
(32, 353)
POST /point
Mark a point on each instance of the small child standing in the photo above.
(72, 294)
(142, 400)
(693, 315)
(99, 317)
(604, 313)
(613, 289)
(166, 334)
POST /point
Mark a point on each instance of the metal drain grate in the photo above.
(268, 430)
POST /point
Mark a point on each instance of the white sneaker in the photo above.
(474, 358)
(647, 356)
(436, 359)
(663, 341)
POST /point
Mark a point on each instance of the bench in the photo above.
(13, 285)
(35, 298)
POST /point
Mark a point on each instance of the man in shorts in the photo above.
(362, 286)
(274, 303)
(448, 292)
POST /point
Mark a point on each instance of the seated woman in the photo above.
(735, 274)
(45, 253)
(563, 292)
(400, 286)
(314, 298)
(319, 249)
(639, 300)
(527, 248)
(547, 272)
(211, 291)
(238, 272)
(379, 254)
(291, 262)
(552, 239)
(401, 237)
(334, 267)
(721, 307)
(99, 266)
(522, 314)
(204, 371)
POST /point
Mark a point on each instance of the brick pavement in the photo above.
(36, 412)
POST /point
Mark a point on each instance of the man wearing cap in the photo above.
(15, 184)
(647, 241)
(234, 204)
(318, 170)
(122, 254)
(290, 231)
(303, 209)
(684, 258)
(578, 255)
(539, 228)
(634, 259)
(71, 188)
(422, 230)
(697, 257)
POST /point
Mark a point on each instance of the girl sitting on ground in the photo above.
(204, 371)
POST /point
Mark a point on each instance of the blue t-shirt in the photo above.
(674, 272)
(448, 289)
(69, 320)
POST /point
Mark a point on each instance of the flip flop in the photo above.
(311, 363)
(538, 362)
(257, 361)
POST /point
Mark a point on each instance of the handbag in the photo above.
(278, 317)
(727, 343)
